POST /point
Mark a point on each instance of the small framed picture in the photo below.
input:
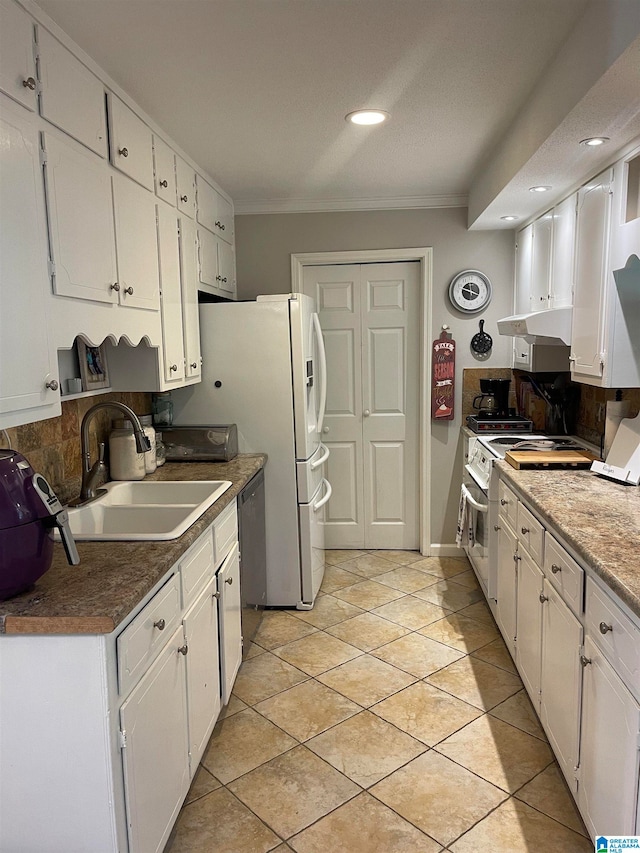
(93, 366)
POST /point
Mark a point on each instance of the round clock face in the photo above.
(470, 291)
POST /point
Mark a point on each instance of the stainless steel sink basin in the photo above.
(141, 510)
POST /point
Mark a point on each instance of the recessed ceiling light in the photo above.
(509, 218)
(367, 116)
(539, 189)
(594, 141)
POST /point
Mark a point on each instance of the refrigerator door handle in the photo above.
(322, 459)
(326, 497)
(323, 367)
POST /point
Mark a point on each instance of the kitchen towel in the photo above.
(465, 533)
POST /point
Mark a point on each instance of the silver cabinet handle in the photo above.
(124, 152)
(543, 598)
(159, 624)
(129, 290)
(52, 385)
(29, 83)
(584, 660)
(525, 530)
(115, 287)
(164, 184)
(173, 367)
(228, 580)
(183, 649)
(604, 628)
(555, 569)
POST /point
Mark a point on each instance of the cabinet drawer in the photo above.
(563, 573)
(225, 532)
(508, 505)
(196, 568)
(615, 633)
(146, 635)
(530, 533)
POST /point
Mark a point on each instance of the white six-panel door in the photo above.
(369, 315)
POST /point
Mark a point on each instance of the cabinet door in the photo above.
(226, 269)
(71, 97)
(156, 753)
(17, 61)
(164, 171)
(208, 257)
(506, 584)
(80, 210)
(541, 262)
(230, 624)
(213, 210)
(27, 358)
(136, 245)
(524, 254)
(563, 253)
(190, 314)
(561, 678)
(170, 294)
(591, 281)
(185, 179)
(529, 622)
(203, 671)
(131, 143)
(608, 786)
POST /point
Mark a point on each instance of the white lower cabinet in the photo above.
(506, 584)
(155, 749)
(529, 621)
(608, 783)
(230, 627)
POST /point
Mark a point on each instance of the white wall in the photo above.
(264, 244)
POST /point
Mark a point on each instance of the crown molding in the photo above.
(309, 205)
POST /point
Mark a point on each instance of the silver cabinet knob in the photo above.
(52, 385)
(183, 649)
(194, 364)
(216, 595)
(129, 290)
(124, 152)
(584, 660)
(228, 580)
(325, 429)
(115, 287)
(497, 527)
(159, 624)
(184, 198)
(366, 413)
(525, 530)
(503, 502)
(29, 83)
(543, 598)
(218, 278)
(555, 569)
(164, 184)
(173, 367)
(604, 628)
(517, 558)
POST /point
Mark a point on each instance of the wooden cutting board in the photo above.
(550, 458)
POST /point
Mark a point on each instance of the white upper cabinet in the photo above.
(131, 143)
(17, 59)
(227, 268)
(80, 221)
(136, 245)
(28, 366)
(214, 211)
(541, 263)
(217, 265)
(189, 281)
(186, 180)
(524, 255)
(563, 253)
(170, 298)
(164, 171)
(591, 267)
(71, 97)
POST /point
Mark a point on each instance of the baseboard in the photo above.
(439, 549)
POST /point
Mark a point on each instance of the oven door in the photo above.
(478, 552)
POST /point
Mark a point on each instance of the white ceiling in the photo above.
(256, 91)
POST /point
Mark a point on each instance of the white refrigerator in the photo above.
(264, 369)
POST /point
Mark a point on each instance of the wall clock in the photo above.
(470, 291)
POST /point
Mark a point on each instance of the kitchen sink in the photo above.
(139, 510)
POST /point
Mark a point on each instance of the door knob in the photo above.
(194, 365)
(173, 367)
(366, 413)
(183, 198)
(115, 287)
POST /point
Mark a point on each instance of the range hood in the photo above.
(551, 327)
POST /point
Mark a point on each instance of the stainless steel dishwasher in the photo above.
(253, 556)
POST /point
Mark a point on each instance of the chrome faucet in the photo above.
(91, 474)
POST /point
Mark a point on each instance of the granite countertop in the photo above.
(113, 577)
(597, 518)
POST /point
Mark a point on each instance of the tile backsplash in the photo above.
(53, 446)
(592, 408)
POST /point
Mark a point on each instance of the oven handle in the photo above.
(474, 503)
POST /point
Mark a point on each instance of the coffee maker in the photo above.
(29, 510)
(494, 399)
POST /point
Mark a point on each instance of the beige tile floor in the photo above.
(388, 719)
